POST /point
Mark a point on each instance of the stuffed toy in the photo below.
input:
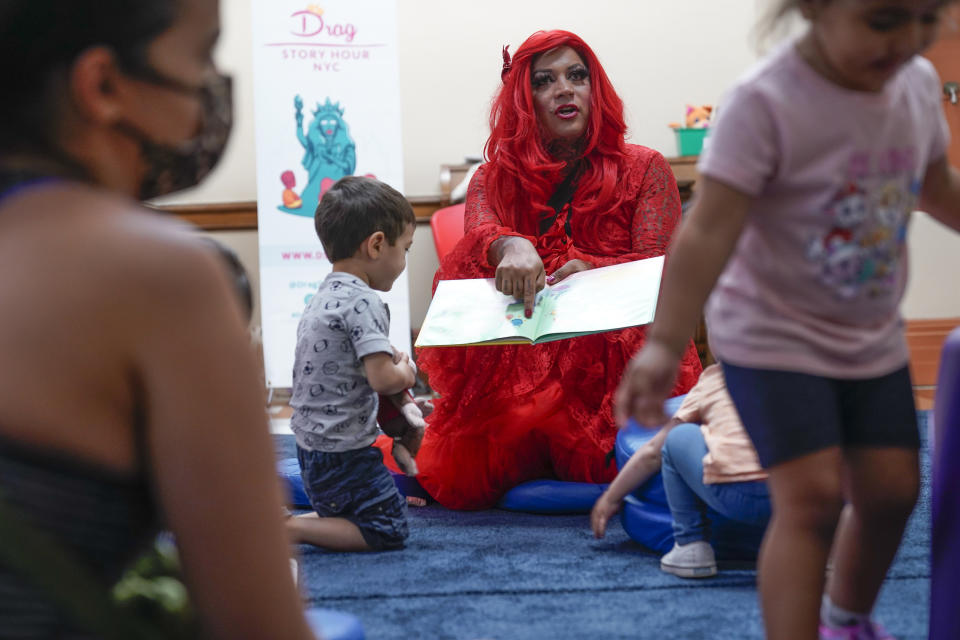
(401, 418)
(697, 118)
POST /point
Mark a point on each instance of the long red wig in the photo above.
(521, 174)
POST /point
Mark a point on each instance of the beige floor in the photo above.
(279, 412)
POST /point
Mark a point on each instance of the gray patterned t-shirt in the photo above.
(334, 407)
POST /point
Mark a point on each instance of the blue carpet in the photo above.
(497, 574)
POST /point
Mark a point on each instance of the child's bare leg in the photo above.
(807, 500)
(882, 484)
(335, 534)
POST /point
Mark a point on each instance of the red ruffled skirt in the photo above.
(510, 414)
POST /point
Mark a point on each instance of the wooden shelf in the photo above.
(684, 169)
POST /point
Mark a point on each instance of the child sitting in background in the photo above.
(343, 360)
(711, 464)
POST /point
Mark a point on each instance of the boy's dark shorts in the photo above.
(789, 414)
(355, 485)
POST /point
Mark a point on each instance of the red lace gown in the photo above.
(510, 414)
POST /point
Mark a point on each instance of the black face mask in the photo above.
(175, 167)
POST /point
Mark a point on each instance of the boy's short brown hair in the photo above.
(355, 208)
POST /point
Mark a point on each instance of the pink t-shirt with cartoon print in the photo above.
(815, 282)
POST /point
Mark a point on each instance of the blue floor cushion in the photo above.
(558, 496)
(330, 624)
(552, 497)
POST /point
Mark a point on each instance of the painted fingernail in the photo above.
(550, 279)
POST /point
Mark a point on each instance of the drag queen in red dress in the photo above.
(561, 192)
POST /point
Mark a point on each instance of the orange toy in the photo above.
(697, 118)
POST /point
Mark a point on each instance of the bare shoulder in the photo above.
(114, 286)
(142, 245)
(120, 253)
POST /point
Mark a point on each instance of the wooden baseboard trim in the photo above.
(242, 216)
(925, 339)
(217, 216)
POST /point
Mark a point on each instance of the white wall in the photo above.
(660, 55)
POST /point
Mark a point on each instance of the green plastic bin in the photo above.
(690, 141)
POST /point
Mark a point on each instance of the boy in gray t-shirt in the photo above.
(343, 360)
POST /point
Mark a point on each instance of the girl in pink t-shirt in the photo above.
(809, 177)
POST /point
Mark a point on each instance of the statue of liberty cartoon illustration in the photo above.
(329, 153)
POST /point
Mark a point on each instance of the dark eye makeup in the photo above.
(541, 78)
(889, 19)
(576, 73)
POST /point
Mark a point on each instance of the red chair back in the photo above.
(447, 227)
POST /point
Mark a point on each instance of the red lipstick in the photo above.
(567, 111)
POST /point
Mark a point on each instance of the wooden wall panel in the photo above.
(925, 340)
(232, 216)
(219, 216)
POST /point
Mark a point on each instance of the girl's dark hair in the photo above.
(238, 276)
(40, 40)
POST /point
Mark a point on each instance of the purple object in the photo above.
(945, 560)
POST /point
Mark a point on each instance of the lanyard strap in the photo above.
(561, 197)
(13, 181)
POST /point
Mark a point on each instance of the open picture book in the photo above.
(473, 312)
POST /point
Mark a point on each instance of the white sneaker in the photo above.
(693, 560)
